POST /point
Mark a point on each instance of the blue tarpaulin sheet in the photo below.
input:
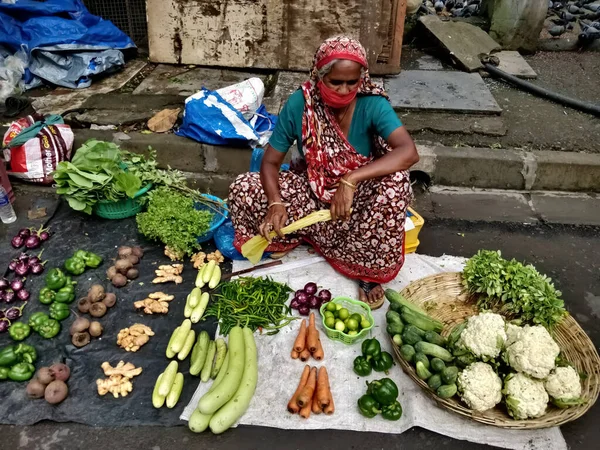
(64, 42)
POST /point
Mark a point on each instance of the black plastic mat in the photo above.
(73, 231)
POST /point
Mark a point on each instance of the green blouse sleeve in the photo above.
(385, 119)
(287, 130)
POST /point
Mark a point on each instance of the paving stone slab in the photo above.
(446, 91)
(567, 209)
(513, 63)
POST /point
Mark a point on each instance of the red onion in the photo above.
(294, 304)
(324, 296)
(17, 242)
(314, 302)
(22, 269)
(302, 298)
(299, 291)
(36, 269)
(304, 310)
(9, 296)
(13, 313)
(310, 288)
(33, 242)
(23, 294)
(4, 283)
(24, 233)
(17, 284)
(4, 325)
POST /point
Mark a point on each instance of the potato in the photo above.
(95, 329)
(123, 265)
(35, 389)
(124, 251)
(60, 371)
(81, 339)
(132, 274)
(137, 251)
(110, 299)
(98, 309)
(111, 272)
(81, 324)
(45, 375)
(96, 293)
(133, 259)
(119, 280)
(56, 392)
(83, 305)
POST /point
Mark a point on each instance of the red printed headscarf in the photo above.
(329, 156)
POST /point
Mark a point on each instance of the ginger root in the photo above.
(198, 259)
(166, 273)
(132, 338)
(173, 255)
(119, 378)
(217, 256)
(156, 303)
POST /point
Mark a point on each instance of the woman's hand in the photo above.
(342, 202)
(276, 218)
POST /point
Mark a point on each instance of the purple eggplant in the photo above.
(314, 302)
(302, 297)
(23, 294)
(4, 284)
(44, 236)
(1, 314)
(310, 288)
(33, 260)
(12, 265)
(17, 242)
(14, 313)
(36, 269)
(17, 284)
(4, 325)
(304, 310)
(24, 233)
(294, 304)
(22, 269)
(23, 257)
(33, 241)
(324, 296)
(8, 296)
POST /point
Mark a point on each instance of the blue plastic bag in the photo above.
(224, 237)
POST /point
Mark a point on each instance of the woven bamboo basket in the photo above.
(453, 305)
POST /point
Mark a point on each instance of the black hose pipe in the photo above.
(590, 108)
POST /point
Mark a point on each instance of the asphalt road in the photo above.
(568, 254)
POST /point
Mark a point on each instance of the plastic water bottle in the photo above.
(7, 213)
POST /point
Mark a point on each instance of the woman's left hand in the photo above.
(341, 204)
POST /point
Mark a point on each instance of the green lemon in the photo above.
(339, 326)
(352, 324)
(344, 314)
(352, 333)
(328, 314)
(338, 306)
(357, 317)
(365, 323)
(331, 307)
(330, 322)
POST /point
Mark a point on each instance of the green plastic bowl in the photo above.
(353, 306)
(122, 209)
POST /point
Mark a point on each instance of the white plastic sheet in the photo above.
(279, 374)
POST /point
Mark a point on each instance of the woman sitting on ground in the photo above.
(355, 156)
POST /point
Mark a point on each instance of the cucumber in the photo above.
(187, 347)
(396, 299)
(416, 330)
(423, 358)
(212, 401)
(208, 363)
(175, 392)
(435, 381)
(199, 353)
(449, 375)
(187, 310)
(237, 406)
(408, 352)
(397, 340)
(198, 311)
(171, 354)
(410, 337)
(199, 422)
(392, 317)
(446, 391)
(199, 278)
(179, 340)
(195, 297)
(435, 338)
(423, 322)
(168, 379)
(434, 350)
(422, 371)
(157, 400)
(455, 333)
(215, 278)
(210, 268)
(437, 365)
(219, 358)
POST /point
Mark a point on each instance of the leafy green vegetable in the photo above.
(172, 219)
(514, 288)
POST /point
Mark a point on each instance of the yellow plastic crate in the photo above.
(411, 238)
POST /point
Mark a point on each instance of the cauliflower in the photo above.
(480, 387)
(525, 397)
(484, 335)
(564, 386)
(512, 333)
(532, 350)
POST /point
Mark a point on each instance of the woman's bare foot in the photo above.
(370, 293)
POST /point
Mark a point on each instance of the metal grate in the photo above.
(128, 15)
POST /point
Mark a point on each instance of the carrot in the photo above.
(319, 354)
(295, 354)
(305, 411)
(331, 408)
(316, 408)
(323, 393)
(293, 404)
(312, 336)
(300, 341)
(305, 355)
(308, 390)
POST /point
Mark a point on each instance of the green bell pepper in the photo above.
(59, 311)
(49, 329)
(384, 391)
(37, 319)
(46, 296)
(383, 362)
(66, 294)
(368, 406)
(392, 412)
(8, 357)
(25, 353)
(4, 373)
(362, 367)
(75, 266)
(55, 279)
(91, 259)
(371, 348)
(21, 372)
(19, 331)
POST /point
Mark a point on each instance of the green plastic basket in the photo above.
(122, 209)
(353, 306)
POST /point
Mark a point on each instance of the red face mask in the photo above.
(333, 99)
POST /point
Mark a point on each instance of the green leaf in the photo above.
(76, 204)
(80, 180)
(128, 183)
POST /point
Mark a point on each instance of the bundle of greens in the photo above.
(252, 302)
(513, 288)
(172, 218)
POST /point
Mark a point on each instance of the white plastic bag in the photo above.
(11, 77)
(246, 96)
